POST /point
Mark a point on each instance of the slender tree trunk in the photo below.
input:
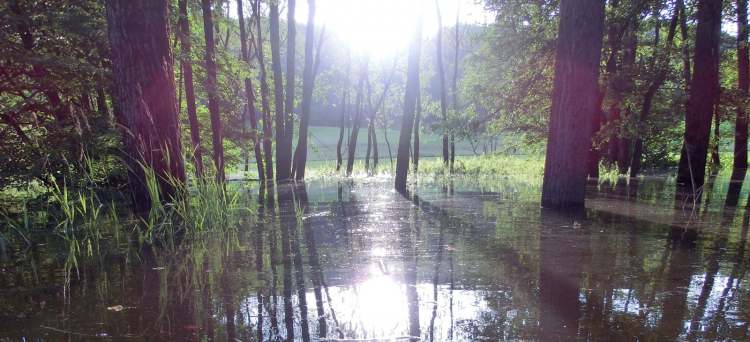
(686, 69)
(594, 154)
(387, 143)
(300, 154)
(743, 84)
(282, 164)
(142, 61)
(291, 54)
(101, 104)
(441, 74)
(352, 147)
(212, 90)
(716, 138)
(704, 89)
(661, 64)
(374, 145)
(455, 87)
(628, 57)
(417, 128)
(574, 101)
(342, 121)
(187, 76)
(410, 104)
(267, 135)
(250, 94)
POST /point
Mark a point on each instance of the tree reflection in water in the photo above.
(453, 260)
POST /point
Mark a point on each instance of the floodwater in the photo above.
(456, 260)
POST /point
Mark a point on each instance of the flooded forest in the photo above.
(374, 170)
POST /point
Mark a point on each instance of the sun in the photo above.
(382, 29)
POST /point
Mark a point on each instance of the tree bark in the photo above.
(352, 147)
(743, 84)
(410, 104)
(716, 137)
(283, 164)
(212, 90)
(142, 61)
(686, 69)
(661, 61)
(455, 87)
(369, 126)
(343, 119)
(574, 101)
(308, 83)
(267, 135)
(441, 74)
(250, 94)
(417, 127)
(291, 54)
(704, 89)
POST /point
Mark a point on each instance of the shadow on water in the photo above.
(454, 260)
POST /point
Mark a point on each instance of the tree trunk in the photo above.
(455, 88)
(686, 69)
(417, 127)
(101, 105)
(704, 89)
(387, 143)
(662, 63)
(250, 94)
(410, 104)
(574, 101)
(212, 90)
(352, 147)
(716, 138)
(594, 154)
(283, 164)
(291, 54)
(267, 135)
(441, 74)
(300, 154)
(343, 119)
(743, 84)
(142, 62)
(371, 110)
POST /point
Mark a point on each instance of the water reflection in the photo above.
(455, 260)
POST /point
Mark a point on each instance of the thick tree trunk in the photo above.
(410, 104)
(743, 84)
(212, 90)
(250, 94)
(704, 89)
(574, 101)
(283, 164)
(308, 83)
(267, 135)
(441, 74)
(142, 63)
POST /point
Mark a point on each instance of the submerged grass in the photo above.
(91, 228)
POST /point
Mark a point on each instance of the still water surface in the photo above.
(456, 260)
